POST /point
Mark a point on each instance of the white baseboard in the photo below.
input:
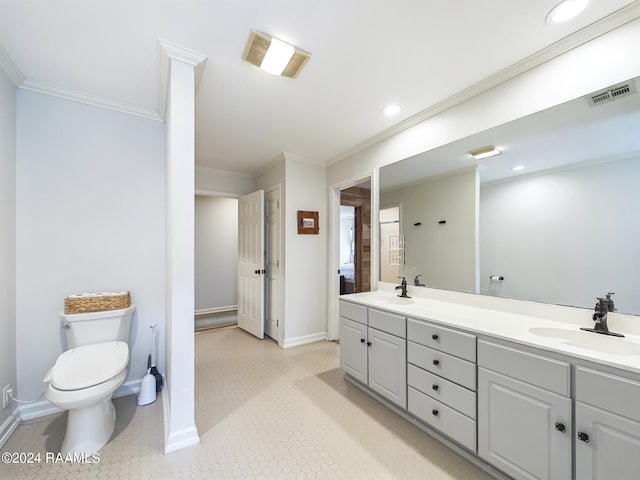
(42, 408)
(174, 441)
(211, 311)
(38, 409)
(296, 341)
(9, 426)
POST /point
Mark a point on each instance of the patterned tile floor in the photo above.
(263, 413)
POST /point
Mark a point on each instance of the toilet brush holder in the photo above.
(147, 393)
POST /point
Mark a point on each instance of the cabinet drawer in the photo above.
(453, 424)
(609, 392)
(456, 343)
(442, 364)
(543, 372)
(446, 392)
(388, 322)
(353, 311)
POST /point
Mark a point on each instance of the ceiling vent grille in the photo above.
(612, 93)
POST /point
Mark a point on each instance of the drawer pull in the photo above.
(436, 362)
(561, 427)
(435, 412)
(434, 336)
(583, 437)
(435, 387)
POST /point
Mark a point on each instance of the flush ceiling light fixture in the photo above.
(484, 152)
(274, 55)
(565, 11)
(391, 110)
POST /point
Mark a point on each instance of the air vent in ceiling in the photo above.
(612, 93)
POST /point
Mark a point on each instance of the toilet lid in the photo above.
(89, 365)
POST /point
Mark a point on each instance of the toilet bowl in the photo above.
(82, 382)
(85, 377)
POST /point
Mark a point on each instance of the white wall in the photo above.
(216, 253)
(564, 237)
(306, 257)
(225, 184)
(7, 237)
(90, 216)
(445, 255)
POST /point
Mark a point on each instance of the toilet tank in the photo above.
(97, 327)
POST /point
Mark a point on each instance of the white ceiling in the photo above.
(365, 55)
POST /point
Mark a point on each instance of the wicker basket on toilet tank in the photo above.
(96, 302)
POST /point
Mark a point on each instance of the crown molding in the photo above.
(605, 25)
(223, 173)
(269, 165)
(39, 87)
(286, 156)
(168, 51)
(10, 68)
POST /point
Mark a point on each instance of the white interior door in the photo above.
(272, 324)
(251, 271)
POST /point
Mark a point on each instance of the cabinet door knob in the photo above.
(362, 340)
(434, 336)
(435, 412)
(435, 387)
(436, 362)
(583, 437)
(561, 427)
(368, 344)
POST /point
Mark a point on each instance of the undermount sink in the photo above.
(391, 300)
(589, 340)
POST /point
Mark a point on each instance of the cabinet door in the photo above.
(388, 366)
(517, 428)
(607, 445)
(353, 349)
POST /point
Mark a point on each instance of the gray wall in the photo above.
(445, 255)
(7, 237)
(216, 254)
(564, 237)
(90, 216)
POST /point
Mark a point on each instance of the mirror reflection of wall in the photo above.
(564, 236)
(439, 228)
(563, 230)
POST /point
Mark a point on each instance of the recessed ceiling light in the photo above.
(566, 10)
(391, 110)
(517, 168)
(484, 152)
(274, 55)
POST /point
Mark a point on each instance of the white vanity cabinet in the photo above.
(373, 350)
(441, 379)
(607, 432)
(524, 413)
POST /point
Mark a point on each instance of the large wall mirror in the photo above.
(554, 218)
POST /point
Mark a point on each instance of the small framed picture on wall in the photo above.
(308, 222)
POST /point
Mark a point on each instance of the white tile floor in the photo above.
(262, 413)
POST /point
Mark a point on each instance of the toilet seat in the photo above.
(89, 365)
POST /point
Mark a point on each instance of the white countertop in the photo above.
(623, 353)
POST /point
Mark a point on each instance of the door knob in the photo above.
(434, 412)
(561, 427)
(436, 362)
(435, 387)
(362, 340)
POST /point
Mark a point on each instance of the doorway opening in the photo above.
(216, 253)
(355, 238)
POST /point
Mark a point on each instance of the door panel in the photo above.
(251, 263)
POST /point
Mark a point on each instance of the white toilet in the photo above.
(85, 376)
